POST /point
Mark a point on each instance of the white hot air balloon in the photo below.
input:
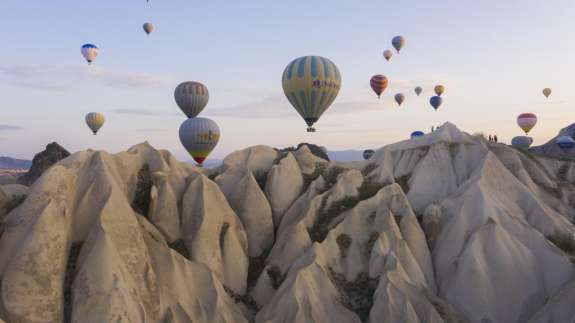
(95, 120)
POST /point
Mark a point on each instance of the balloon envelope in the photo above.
(199, 136)
(90, 52)
(368, 153)
(418, 90)
(526, 121)
(436, 102)
(387, 54)
(378, 84)
(398, 42)
(547, 92)
(521, 142)
(565, 142)
(439, 89)
(148, 28)
(191, 97)
(416, 134)
(399, 98)
(311, 84)
(95, 121)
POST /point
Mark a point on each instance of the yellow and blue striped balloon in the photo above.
(199, 136)
(95, 121)
(311, 84)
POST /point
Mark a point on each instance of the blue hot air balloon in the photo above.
(397, 42)
(416, 134)
(565, 142)
(521, 142)
(368, 153)
(436, 102)
(90, 52)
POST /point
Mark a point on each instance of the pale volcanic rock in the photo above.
(250, 204)
(283, 186)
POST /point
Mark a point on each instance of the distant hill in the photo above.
(345, 155)
(13, 163)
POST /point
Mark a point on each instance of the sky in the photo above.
(494, 58)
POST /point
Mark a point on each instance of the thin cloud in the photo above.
(7, 127)
(150, 130)
(144, 112)
(66, 77)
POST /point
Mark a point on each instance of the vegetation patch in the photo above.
(245, 300)
(368, 189)
(403, 181)
(142, 199)
(368, 169)
(565, 242)
(321, 226)
(69, 279)
(343, 242)
(356, 295)
(330, 175)
(276, 276)
(179, 246)
(261, 178)
(310, 178)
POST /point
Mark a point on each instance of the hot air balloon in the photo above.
(418, 90)
(527, 121)
(378, 84)
(439, 89)
(436, 102)
(547, 92)
(398, 42)
(95, 120)
(90, 52)
(311, 84)
(199, 136)
(387, 54)
(565, 142)
(148, 28)
(191, 97)
(416, 134)
(399, 98)
(521, 142)
(368, 153)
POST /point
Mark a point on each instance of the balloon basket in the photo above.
(310, 129)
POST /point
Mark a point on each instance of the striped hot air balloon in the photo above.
(95, 121)
(191, 97)
(90, 52)
(526, 121)
(398, 42)
(199, 136)
(378, 84)
(311, 84)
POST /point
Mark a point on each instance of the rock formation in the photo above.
(441, 228)
(550, 148)
(42, 161)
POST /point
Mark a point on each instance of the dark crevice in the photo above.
(356, 295)
(142, 198)
(223, 232)
(256, 267)
(179, 246)
(69, 279)
(276, 276)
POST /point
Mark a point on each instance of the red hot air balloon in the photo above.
(379, 84)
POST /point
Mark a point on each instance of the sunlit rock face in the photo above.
(441, 228)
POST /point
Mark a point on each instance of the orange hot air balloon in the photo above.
(379, 84)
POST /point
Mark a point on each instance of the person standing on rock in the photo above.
(489, 137)
(495, 138)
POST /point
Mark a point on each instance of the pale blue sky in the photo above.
(494, 57)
